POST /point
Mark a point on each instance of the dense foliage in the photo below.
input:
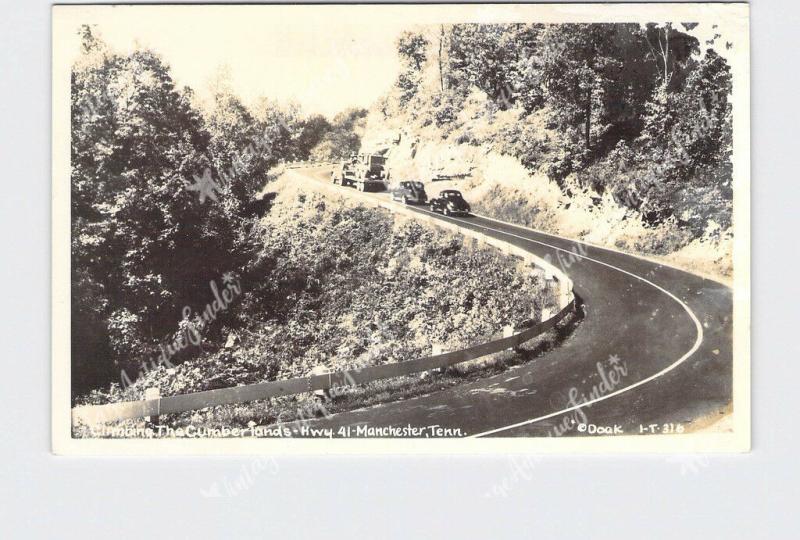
(342, 139)
(144, 245)
(347, 287)
(165, 211)
(639, 111)
(164, 201)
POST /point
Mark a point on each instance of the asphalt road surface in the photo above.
(655, 348)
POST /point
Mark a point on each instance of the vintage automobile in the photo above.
(450, 202)
(371, 172)
(410, 193)
(363, 171)
(344, 173)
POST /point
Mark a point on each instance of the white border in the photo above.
(735, 17)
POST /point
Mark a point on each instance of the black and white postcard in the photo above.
(401, 228)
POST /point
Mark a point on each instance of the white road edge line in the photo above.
(679, 361)
(690, 352)
(611, 249)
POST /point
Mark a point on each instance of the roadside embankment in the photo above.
(347, 287)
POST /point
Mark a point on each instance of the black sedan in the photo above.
(450, 203)
(410, 193)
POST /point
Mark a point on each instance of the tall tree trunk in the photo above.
(588, 126)
(665, 53)
(441, 75)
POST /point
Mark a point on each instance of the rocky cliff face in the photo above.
(500, 186)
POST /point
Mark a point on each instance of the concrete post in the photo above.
(565, 295)
(508, 331)
(152, 393)
(438, 349)
(320, 370)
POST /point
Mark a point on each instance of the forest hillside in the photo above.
(617, 134)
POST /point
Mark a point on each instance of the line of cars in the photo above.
(450, 202)
(367, 172)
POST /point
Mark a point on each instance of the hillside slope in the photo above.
(341, 286)
(588, 131)
(500, 186)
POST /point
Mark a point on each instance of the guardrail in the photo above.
(198, 400)
(94, 414)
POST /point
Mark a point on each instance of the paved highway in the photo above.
(654, 348)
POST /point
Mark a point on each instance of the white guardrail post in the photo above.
(508, 331)
(152, 393)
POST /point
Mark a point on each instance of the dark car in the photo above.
(450, 202)
(410, 193)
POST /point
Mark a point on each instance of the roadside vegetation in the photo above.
(619, 134)
(189, 274)
(164, 201)
(341, 286)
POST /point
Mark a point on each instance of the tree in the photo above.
(145, 246)
(686, 141)
(483, 56)
(241, 149)
(344, 137)
(576, 64)
(412, 48)
(440, 57)
(313, 130)
(670, 49)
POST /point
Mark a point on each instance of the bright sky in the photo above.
(325, 66)
(326, 58)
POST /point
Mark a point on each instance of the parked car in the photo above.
(450, 202)
(410, 193)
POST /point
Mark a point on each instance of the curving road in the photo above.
(662, 338)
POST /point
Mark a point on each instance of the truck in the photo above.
(344, 173)
(364, 171)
